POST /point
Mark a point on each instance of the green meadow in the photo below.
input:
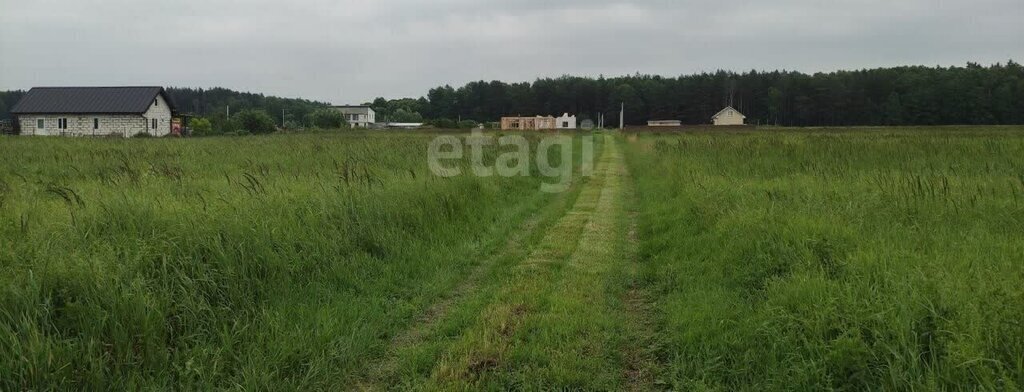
(857, 259)
(278, 262)
(778, 259)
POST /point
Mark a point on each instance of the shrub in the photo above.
(404, 116)
(200, 126)
(327, 119)
(254, 121)
(445, 123)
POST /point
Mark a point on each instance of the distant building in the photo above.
(664, 123)
(397, 125)
(528, 123)
(565, 122)
(94, 111)
(728, 116)
(358, 116)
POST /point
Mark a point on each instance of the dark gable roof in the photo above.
(89, 100)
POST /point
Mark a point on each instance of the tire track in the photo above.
(553, 220)
(551, 325)
(640, 346)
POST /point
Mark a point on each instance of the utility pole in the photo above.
(282, 118)
(229, 112)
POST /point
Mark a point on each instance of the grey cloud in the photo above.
(351, 51)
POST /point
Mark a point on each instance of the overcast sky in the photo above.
(348, 51)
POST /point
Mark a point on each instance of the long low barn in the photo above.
(94, 111)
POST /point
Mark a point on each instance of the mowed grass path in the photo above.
(556, 318)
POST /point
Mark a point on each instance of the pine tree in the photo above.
(893, 110)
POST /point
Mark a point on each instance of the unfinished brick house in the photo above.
(528, 123)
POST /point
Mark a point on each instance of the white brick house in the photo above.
(94, 111)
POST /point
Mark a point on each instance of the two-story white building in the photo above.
(94, 111)
(358, 116)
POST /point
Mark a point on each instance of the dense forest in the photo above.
(918, 95)
(887, 96)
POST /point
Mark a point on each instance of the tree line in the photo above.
(250, 112)
(915, 95)
(7, 101)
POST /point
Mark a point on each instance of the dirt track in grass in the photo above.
(556, 308)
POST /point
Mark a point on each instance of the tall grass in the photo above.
(280, 262)
(871, 259)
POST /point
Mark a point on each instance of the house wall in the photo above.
(528, 123)
(729, 117)
(566, 122)
(126, 125)
(358, 117)
(546, 123)
(162, 113)
(82, 125)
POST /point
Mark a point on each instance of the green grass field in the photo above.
(772, 260)
(879, 259)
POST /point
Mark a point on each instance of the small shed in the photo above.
(728, 116)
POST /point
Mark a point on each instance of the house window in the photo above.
(62, 123)
(565, 124)
(155, 102)
(40, 123)
(95, 123)
(154, 123)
